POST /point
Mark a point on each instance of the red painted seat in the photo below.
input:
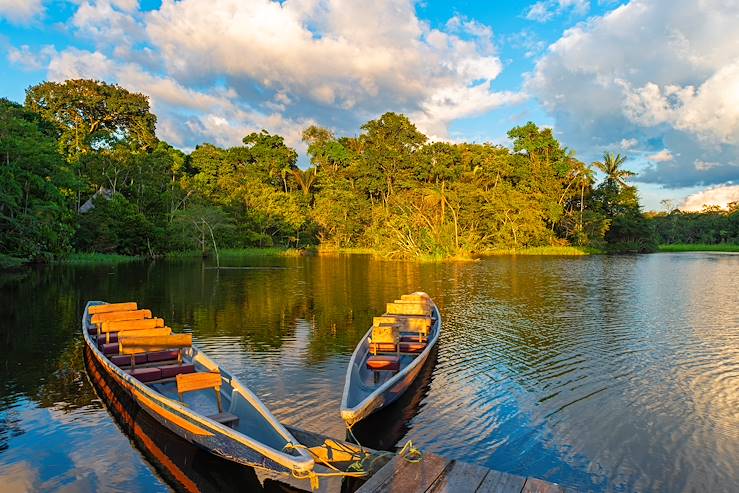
(170, 371)
(125, 360)
(159, 356)
(145, 374)
(386, 362)
(412, 338)
(412, 347)
(110, 348)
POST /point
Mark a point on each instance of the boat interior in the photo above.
(394, 341)
(145, 348)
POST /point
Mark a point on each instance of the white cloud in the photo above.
(218, 70)
(546, 10)
(627, 144)
(321, 54)
(718, 196)
(666, 70)
(661, 156)
(185, 116)
(29, 59)
(21, 11)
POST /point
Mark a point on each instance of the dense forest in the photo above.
(82, 170)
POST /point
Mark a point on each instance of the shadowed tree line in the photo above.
(711, 226)
(82, 170)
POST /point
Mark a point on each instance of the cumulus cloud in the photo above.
(29, 59)
(186, 116)
(546, 10)
(627, 144)
(21, 11)
(661, 156)
(666, 71)
(717, 196)
(217, 69)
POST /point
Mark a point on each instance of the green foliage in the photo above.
(700, 247)
(35, 221)
(711, 226)
(116, 226)
(91, 115)
(388, 189)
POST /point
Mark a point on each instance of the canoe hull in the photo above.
(205, 433)
(391, 390)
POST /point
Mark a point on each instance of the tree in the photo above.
(34, 186)
(92, 117)
(389, 144)
(611, 166)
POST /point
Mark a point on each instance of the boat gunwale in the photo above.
(372, 396)
(291, 462)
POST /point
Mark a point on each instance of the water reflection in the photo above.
(607, 373)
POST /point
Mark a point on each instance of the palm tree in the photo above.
(305, 178)
(611, 166)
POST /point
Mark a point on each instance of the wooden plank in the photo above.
(407, 309)
(401, 476)
(189, 382)
(459, 477)
(161, 331)
(534, 485)
(145, 323)
(501, 482)
(112, 307)
(124, 315)
(132, 345)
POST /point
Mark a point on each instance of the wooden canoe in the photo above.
(215, 411)
(367, 389)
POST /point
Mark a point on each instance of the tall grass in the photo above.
(699, 247)
(240, 252)
(8, 262)
(97, 258)
(545, 250)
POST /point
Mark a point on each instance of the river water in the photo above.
(603, 373)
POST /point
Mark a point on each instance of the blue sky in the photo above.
(657, 80)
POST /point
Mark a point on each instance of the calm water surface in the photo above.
(600, 373)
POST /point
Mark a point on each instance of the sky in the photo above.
(656, 80)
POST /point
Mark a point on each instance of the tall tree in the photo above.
(91, 117)
(34, 183)
(611, 167)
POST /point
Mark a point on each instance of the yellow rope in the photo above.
(357, 468)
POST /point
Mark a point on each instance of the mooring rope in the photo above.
(357, 469)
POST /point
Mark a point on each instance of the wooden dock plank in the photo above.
(501, 482)
(534, 485)
(401, 476)
(434, 474)
(459, 477)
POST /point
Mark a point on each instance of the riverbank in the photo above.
(86, 258)
(573, 251)
(699, 247)
(240, 252)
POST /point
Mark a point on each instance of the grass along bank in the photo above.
(699, 247)
(82, 258)
(240, 252)
(572, 251)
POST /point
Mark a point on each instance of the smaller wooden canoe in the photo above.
(185, 391)
(390, 355)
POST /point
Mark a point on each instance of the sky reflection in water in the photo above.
(602, 373)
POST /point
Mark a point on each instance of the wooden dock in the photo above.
(433, 474)
(436, 474)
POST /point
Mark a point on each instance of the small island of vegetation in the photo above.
(84, 178)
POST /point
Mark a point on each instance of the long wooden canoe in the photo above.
(187, 392)
(390, 356)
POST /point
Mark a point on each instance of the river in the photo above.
(603, 373)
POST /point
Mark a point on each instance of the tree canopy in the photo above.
(388, 188)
